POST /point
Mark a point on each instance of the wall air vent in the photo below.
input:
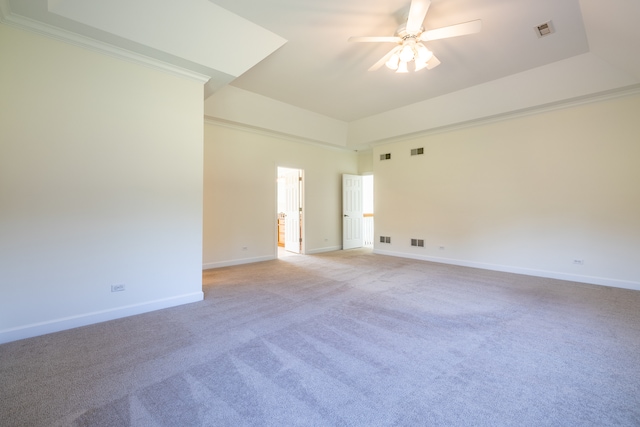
(545, 29)
(385, 239)
(386, 156)
(417, 151)
(417, 242)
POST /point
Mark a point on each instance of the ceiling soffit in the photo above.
(196, 38)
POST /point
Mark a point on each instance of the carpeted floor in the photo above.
(347, 338)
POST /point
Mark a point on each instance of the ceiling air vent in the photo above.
(544, 29)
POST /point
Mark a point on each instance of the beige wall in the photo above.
(528, 195)
(240, 193)
(100, 184)
(365, 162)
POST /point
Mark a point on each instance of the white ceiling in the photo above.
(296, 51)
(318, 69)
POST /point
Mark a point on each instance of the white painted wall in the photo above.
(528, 195)
(240, 193)
(100, 184)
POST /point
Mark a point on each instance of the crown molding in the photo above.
(27, 24)
(539, 109)
(569, 103)
(274, 134)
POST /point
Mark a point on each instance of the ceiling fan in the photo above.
(409, 38)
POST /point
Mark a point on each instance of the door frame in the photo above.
(301, 197)
(350, 223)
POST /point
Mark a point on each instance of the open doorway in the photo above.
(290, 224)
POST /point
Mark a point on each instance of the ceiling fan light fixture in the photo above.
(424, 54)
(393, 62)
(402, 68)
(420, 64)
(406, 54)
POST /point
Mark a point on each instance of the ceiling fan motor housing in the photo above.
(402, 32)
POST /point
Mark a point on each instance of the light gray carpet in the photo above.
(343, 339)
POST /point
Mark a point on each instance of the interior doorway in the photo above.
(290, 212)
(357, 211)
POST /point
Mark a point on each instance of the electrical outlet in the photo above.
(118, 288)
(578, 261)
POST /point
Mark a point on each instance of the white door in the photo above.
(293, 210)
(351, 211)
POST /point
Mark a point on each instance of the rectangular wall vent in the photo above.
(417, 151)
(385, 239)
(544, 29)
(417, 242)
(386, 156)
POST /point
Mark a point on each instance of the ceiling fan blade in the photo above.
(376, 39)
(433, 63)
(417, 12)
(463, 29)
(384, 59)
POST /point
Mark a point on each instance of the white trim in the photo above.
(71, 322)
(322, 250)
(602, 281)
(98, 46)
(274, 134)
(538, 109)
(229, 263)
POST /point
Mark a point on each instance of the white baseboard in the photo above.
(322, 250)
(229, 263)
(592, 280)
(71, 322)
(241, 261)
